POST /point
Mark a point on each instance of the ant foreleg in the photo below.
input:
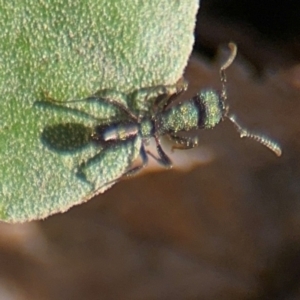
(165, 101)
(183, 142)
(163, 158)
(137, 169)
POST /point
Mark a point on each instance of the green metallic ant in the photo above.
(205, 110)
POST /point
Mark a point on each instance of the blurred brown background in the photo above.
(226, 228)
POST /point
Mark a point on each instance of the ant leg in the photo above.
(183, 142)
(49, 102)
(45, 95)
(119, 105)
(163, 158)
(98, 97)
(121, 102)
(153, 97)
(180, 87)
(137, 169)
(128, 173)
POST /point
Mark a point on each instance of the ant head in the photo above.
(273, 146)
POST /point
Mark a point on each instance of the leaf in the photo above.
(71, 50)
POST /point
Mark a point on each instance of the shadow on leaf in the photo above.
(66, 137)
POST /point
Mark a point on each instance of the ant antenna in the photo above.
(267, 142)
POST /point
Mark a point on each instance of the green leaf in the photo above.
(71, 50)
